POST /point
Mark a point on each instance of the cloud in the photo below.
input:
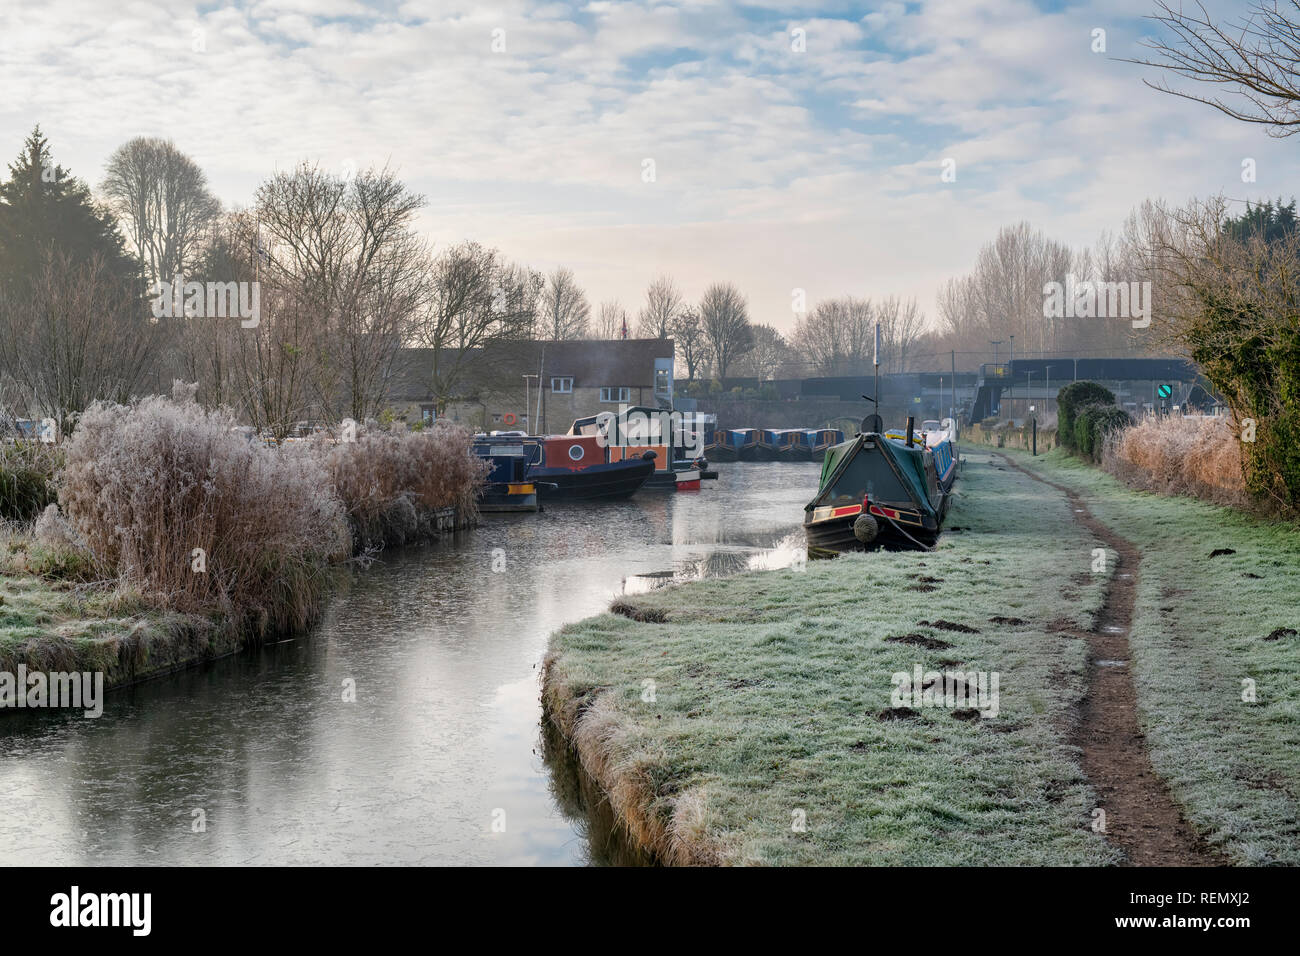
(774, 168)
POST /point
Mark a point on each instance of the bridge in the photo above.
(1040, 379)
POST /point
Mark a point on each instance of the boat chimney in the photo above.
(911, 427)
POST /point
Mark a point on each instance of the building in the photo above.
(497, 387)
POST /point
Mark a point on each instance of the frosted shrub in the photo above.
(393, 484)
(57, 551)
(1180, 456)
(175, 504)
(27, 471)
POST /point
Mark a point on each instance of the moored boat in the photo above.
(725, 446)
(800, 444)
(577, 467)
(820, 439)
(880, 491)
(738, 444)
(772, 445)
(663, 437)
(507, 487)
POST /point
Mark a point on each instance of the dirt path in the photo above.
(1141, 817)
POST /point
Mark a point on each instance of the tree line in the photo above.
(344, 282)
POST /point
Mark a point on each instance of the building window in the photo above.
(662, 381)
(427, 414)
(611, 394)
(561, 385)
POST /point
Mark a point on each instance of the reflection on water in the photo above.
(444, 736)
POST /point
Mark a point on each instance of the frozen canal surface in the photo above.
(445, 730)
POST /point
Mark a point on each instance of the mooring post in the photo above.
(1035, 434)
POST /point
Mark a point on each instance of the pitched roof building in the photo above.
(497, 387)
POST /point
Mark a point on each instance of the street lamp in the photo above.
(539, 389)
(995, 349)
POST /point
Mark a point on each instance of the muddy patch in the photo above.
(919, 640)
(897, 713)
(645, 615)
(942, 625)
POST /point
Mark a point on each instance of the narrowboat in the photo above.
(735, 444)
(659, 436)
(579, 467)
(710, 429)
(507, 487)
(774, 444)
(801, 444)
(880, 491)
(819, 439)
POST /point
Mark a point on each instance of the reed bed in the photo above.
(170, 501)
(393, 485)
(1197, 457)
(176, 539)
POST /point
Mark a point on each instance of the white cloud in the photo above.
(774, 169)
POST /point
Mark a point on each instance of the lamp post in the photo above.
(539, 388)
(995, 345)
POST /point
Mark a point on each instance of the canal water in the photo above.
(257, 758)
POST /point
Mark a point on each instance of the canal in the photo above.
(259, 759)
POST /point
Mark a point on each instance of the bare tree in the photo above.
(901, 324)
(838, 336)
(273, 362)
(1003, 295)
(162, 197)
(478, 300)
(203, 350)
(770, 353)
(611, 321)
(1255, 60)
(663, 302)
(688, 339)
(347, 250)
(724, 318)
(74, 334)
(563, 312)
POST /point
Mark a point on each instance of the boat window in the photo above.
(576, 452)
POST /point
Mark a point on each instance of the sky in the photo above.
(776, 145)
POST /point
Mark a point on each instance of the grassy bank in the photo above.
(1202, 626)
(49, 625)
(771, 700)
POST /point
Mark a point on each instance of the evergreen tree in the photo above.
(1274, 221)
(45, 209)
